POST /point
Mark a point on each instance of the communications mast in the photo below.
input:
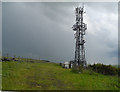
(79, 27)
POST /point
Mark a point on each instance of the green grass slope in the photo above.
(50, 76)
(0, 75)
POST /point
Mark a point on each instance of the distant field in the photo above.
(50, 76)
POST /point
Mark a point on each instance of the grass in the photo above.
(40, 75)
(0, 75)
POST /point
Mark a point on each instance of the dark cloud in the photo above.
(43, 30)
(0, 28)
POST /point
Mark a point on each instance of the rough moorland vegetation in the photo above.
(29, 74)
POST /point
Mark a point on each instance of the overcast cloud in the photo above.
(0, 28)
(44, 30)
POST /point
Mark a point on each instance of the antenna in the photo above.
(84, 7)
(83, 4)
(79, 27)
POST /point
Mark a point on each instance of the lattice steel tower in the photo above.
(79, 27)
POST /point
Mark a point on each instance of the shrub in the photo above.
(90, 70)
(75, 69)
(78, 69)
(104, 69)
(119, 72)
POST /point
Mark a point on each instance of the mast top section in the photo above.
(80, 9)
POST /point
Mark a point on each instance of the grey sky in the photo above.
(43, 30)
(60, 0)
(0, 28)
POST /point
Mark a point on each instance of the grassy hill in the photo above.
(0, 75)
(40, 75)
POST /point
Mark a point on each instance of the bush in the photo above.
(80, 69)
(104, 69)
(90, 71)
(77, 69)
(98, 68)
(119, 72)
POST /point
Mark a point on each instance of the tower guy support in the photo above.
(79, 27)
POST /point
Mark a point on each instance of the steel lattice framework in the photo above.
(79, 27)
